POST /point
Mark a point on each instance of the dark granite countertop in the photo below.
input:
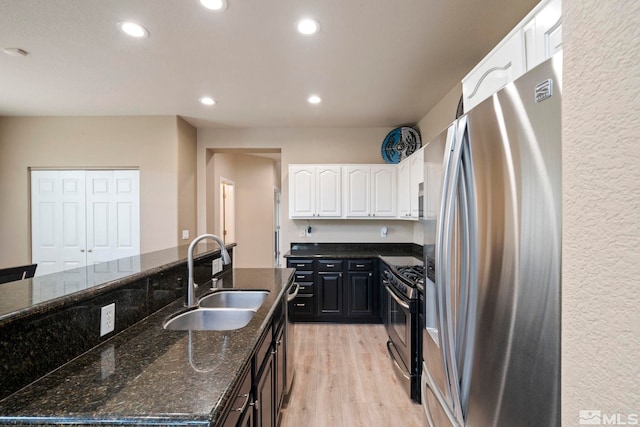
(48, 292)
(149, 375)
(353, 250)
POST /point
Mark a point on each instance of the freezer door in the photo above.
(514, 157)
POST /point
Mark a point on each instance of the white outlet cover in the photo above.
(185, 234)
(107, 319)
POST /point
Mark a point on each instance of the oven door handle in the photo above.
(395, 297)
(395, 361)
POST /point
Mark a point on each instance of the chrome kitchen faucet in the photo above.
(191, 290)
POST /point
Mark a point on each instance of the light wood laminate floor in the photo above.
(344, 378)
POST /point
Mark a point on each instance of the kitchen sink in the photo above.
(210, 319)
(234, 299)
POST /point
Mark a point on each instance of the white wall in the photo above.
(321, 145)
(601, 208)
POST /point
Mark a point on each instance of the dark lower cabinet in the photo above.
(280, 373)
(241, 412)
(264, 403)
(329, 294)
(336, 290)
(259, 399)
(361, 294)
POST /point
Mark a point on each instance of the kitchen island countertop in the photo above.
(150, 375)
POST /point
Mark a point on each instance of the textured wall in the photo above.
(601, 203)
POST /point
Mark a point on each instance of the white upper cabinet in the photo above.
(410, 176)
(535, 39)
(315, 191)
(370, 191)
(543, 33)
(504, 64)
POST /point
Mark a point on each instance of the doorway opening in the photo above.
(276, 226)
(227, 210)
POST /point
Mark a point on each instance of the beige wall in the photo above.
(440, 116)
(187, 142)
(601, 208)
(320, 145)
(148, 143)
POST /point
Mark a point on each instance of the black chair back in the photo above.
(17, 273)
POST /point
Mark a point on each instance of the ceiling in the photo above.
(374, 63)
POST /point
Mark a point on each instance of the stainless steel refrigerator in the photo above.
(492, 221)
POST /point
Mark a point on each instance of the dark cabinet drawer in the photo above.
(330, 265)
(303, 276)
(302, 305)
(300, 264)
(305, 287)
(360, 265)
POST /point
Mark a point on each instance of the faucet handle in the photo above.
(214, 283)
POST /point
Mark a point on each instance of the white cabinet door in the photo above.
(404, 190)
(315, 191)
(358, 190)
(302, 191)
(433, 189)
(417, 178)
(370, 191)
(58, 230)
(503, 65)
(81, 218)
(329, 191)
(383, 191)
(543, 33)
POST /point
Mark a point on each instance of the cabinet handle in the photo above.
(256, 404)
(370, 274)
(299, 265)
(299, 305)
(245, 404)
(330, 265)
(300, 277)
(81, 250)
(360, 265)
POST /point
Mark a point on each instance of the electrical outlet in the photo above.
(185, 234)
(216, 266)
(107, 319)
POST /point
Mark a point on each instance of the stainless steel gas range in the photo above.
(403, 281)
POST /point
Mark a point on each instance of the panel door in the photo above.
(358, 188)
(543, 34)
(404, 179)
(360, 288)
(58, 229)
(328, 191)
(329, 293)
(302, 191)
(113, 216)
(383, 191)
(502, 66)
(265, 404)
(417, 178)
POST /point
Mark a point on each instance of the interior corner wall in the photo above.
(601, 210)
(440, 116)
(148, 143)
(187, 142)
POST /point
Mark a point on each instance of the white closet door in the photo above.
(58, 236)
(81, 218)
(113, 216)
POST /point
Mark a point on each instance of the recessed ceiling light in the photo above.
(217, 5)
(314, 99)
(207, 100)
(133, 29)
(308, 26)
(14, 51)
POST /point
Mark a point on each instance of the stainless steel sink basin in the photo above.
(234, 299)
(210, 319)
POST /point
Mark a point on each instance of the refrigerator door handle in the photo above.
(449, 332)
